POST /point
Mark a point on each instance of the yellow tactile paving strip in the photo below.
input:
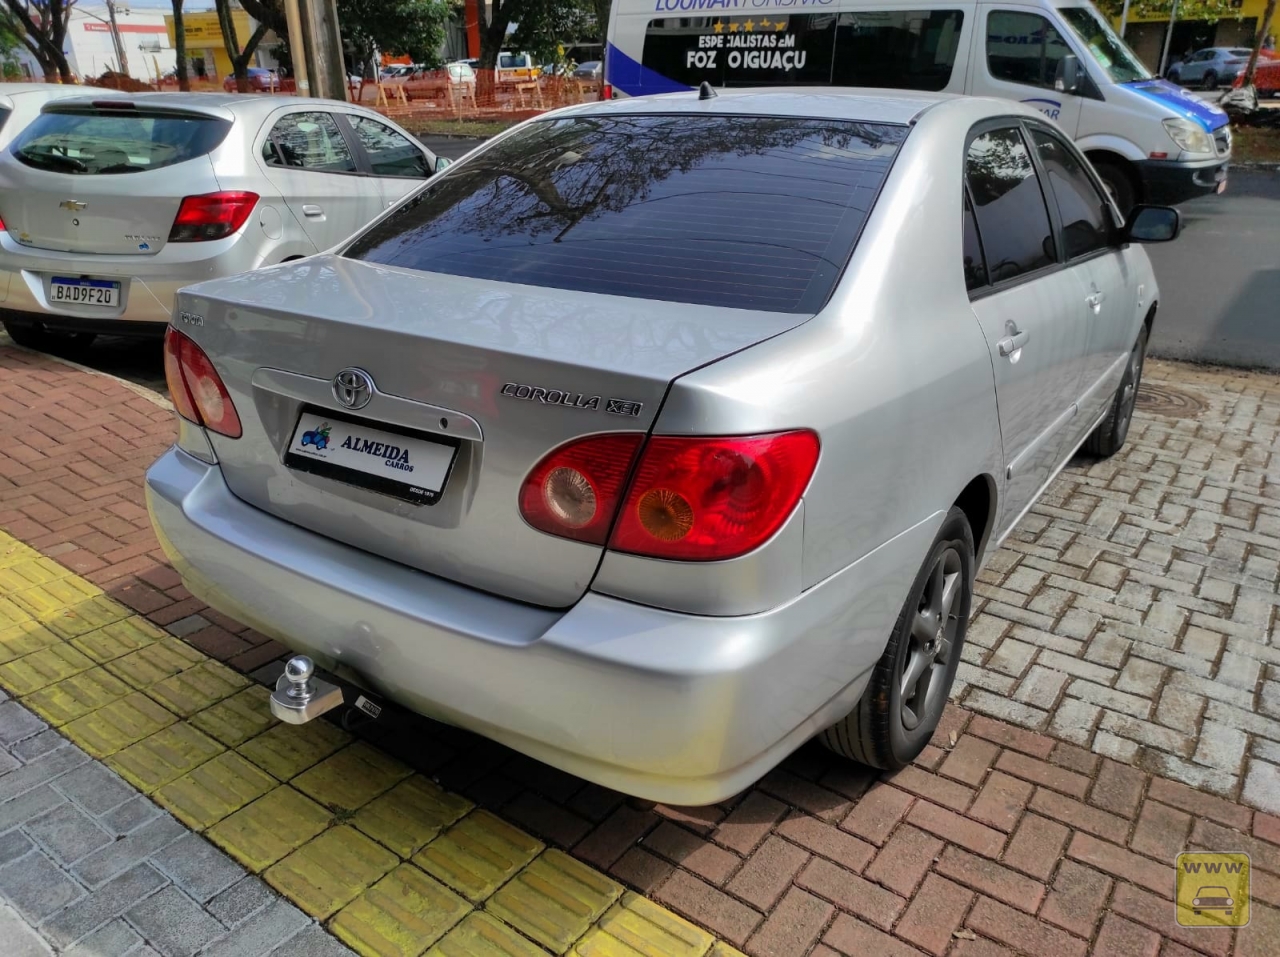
(393, 864)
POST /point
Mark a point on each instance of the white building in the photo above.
(91, 50)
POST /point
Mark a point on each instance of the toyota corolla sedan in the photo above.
(659, 436)
(109, 205)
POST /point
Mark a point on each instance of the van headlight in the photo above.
(1189, 136)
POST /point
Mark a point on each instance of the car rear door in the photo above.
(308, 158)
(397, 163)
(1105, 298)
(1025, 302)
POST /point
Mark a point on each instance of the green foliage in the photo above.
(547, 25)
(1211, 10)
(10, 41)
(412, 28)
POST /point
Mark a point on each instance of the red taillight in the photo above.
(606, 91)
(574, 491)
(196, 388)
(211, 216)
(705, 499)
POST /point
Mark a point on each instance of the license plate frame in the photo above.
(108, 289)
(423, 446)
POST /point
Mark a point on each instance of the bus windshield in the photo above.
(1108, 50)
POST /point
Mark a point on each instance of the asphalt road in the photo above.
(1220, 280)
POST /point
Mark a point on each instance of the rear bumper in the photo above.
(148, 284)
(1169, 182)
(671, 707)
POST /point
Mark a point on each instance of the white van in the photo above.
(1150, 140)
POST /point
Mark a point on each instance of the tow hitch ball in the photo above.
(300, 696)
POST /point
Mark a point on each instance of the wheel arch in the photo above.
(978, 502)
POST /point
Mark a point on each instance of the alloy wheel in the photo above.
(1129, 396)
(922, 681)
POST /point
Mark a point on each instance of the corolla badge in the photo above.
(352, 388)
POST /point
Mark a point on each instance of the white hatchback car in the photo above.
(111, 204)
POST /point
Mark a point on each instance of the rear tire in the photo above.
(1118, 183)
(1109, 437)
(909, 686)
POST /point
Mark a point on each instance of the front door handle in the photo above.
(1011, 344)
(1095, 299)
(312, 211)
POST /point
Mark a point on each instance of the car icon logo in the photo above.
(1213, 898)
(74, 205)
(352, 388)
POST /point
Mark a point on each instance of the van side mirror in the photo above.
(442, 163)
(1068, 78)
(1152, 224)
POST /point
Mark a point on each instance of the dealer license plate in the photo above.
(407, 466)
(84, 292)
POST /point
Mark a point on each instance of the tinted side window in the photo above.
(308, 141)
(390, 154)
(1023, 48)
(746, 50)
(742, 211)
(901, 50)
(975, 266)
(1085, 224)
(1012, 217)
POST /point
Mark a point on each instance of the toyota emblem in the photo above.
(352, 388)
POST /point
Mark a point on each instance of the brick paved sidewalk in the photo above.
(1022, 840)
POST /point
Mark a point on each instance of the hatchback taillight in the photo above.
(574, 491)
(211, 216)
(196, 388)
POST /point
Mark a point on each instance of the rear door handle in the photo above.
(1012, 343)
(312, 211)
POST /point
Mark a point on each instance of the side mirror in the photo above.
(1068, 78)
(1153, 224)
(442, 163)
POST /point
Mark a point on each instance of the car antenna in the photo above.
(706, 92)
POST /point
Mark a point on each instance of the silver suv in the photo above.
(110, 205)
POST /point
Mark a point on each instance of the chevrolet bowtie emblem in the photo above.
(73, 204)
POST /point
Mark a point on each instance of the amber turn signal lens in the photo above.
(665, 514)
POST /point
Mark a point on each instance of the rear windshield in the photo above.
(109, 143)
(752, 212)
(897, 49)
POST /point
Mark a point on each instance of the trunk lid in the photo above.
(106, 180)
(507, 371)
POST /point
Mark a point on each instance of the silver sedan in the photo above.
(662, 435)
(112, 204)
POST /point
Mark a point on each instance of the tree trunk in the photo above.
(492, 36)
(180, 47)
(1263, 32)
(227, 23)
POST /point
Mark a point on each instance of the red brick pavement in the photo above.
(998, 841)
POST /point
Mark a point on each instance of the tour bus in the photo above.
(1150, 140)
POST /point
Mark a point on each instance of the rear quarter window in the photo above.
(116, 142)
(750, 212)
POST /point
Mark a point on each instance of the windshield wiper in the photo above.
(53, 161)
